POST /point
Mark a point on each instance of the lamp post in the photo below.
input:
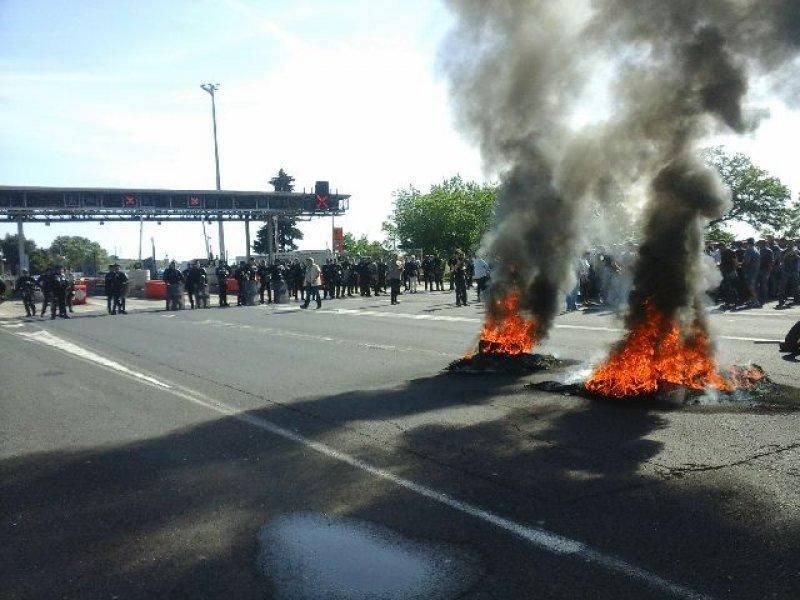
(211, 88)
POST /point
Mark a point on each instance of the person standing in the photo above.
(313, 281)
(109, 288)
(790, 263)
(327, 279)
(459, 277)
(173, 278)
(372, 268)
(46, 285)
(481, 269)
(764, 272)
(727, 289)
(119, 289)
(198, 280)
(222, 272)
(70, 288)
(438, 272)
(751, 266)
(58, 287)
(240, 274)
(395, 276)
(263, 283)
(413, 274)
(26, 286)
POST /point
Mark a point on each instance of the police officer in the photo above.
(70, 288)
(189, 285)
(327, 279)
(459, 277)
(201, 286)
(46, 285)
(263, 273)
(223, 272)
(119, 283)
(58, 287)
(26, 286)
(173, 278)
(109, 284)
(240, 274)
(196, 280)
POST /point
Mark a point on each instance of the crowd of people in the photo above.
(338, 278)
(757, 272)
(58, 291)
(752, 274)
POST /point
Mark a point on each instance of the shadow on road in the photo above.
(178, 515)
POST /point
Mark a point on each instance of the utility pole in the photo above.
(211, 88)
(141, 226)
(23, 258)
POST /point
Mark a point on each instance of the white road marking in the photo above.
(589, 328)
(374, 313)
(746, 339)
(398, 315)
(318, 338)
(48, 339)
(536, 536)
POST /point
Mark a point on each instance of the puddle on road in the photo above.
(309, 556)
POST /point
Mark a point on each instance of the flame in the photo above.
(505, 330)
(657, 353)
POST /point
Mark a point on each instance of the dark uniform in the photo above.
(26, 286)
(46, 285)
(189, 286)
(118, 283)
(240, 274)
(173, 278)
(223, 272)
(460, 280)
(109, 289)
(196, 285)
(70, 289)
(327, 279)
(263, 283)
(59, 286)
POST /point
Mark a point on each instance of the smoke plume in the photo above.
(572, 101)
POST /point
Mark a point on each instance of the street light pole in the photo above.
(211, 88)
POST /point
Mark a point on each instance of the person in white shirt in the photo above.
(480, 269)
(313, 281)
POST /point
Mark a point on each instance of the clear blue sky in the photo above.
(106, 93)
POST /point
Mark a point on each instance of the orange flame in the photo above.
(656, 353)
(505, 330)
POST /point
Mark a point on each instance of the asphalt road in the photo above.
(265, 452)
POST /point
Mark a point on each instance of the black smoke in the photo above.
(523, 75)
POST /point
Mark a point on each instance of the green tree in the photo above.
(282, 182)
(10, 247)
(793, 221)
(288, 231)
(287, 234)
(717, 234)
(40, 260)
(453, 214)
(361, 246)
(78, 253)
(759, 199)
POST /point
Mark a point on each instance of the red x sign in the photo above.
(194, 201)
(130, 200)
(322, 202)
